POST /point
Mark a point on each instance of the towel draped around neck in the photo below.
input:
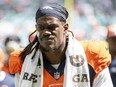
(76, 65)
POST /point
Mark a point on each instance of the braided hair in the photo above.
(30, 47)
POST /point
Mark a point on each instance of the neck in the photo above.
(57, 56)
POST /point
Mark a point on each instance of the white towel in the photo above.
(73, 75)
(76, 73)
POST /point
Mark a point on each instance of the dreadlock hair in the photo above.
(30, 47)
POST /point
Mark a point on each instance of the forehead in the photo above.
(48, 20)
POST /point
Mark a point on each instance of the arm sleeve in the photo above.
(103, 79)
(99, 58)
(97, 54)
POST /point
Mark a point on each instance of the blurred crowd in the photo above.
(90, 18)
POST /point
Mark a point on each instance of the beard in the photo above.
(50, 49)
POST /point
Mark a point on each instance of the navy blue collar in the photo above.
(54, 72)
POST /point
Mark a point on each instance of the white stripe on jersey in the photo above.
(103, 79)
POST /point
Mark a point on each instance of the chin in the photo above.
(48, 49)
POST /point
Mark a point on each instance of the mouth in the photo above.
(48, 40)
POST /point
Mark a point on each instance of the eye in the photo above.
(52, 27)
(39, 27)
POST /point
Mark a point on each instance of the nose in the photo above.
(46, 32)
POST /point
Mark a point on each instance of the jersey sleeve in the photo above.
(103, 79)
(15, 63)
(97, 54)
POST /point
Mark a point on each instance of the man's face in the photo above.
(51, 33)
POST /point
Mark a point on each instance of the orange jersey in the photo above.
(6, 68)
(15, 63)
(49, 81)
(97, 54)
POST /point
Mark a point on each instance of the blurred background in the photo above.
(87, 18)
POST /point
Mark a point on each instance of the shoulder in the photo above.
(97, 54)
(16, 53)
(15, 63)
(94, 45)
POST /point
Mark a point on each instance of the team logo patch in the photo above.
(47, 7)
(57, 75)
(77, 60)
